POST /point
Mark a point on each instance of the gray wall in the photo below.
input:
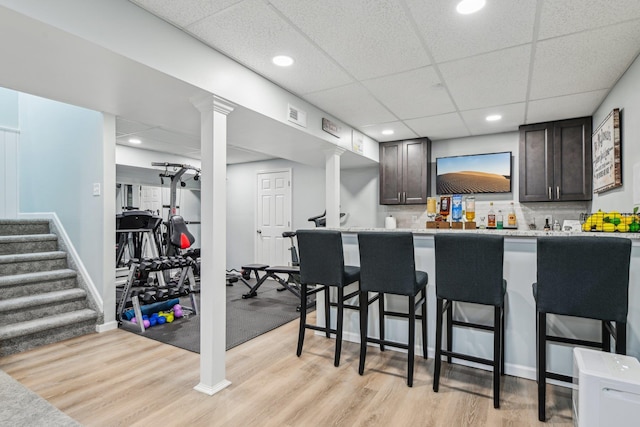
(8, 109)
(625, 96)
(307, 199)
(60, 157)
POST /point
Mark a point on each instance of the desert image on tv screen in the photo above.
(482, 173)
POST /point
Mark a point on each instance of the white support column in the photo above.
(332, 185)
(213, 141)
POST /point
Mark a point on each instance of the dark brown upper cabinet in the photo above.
(404, 171)
(555, 161)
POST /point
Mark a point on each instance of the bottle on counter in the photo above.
(470, 207)
(456, 207)
(491, 217)
(499, 220)
(547, 226)
(511, 217)
(445, 206)
(556, 225)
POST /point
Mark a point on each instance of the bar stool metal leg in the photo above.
(381, 317)
(412, 339)
(438, 353)
(497, 355)
(339, 321)
(424, 324)
(364, 318)
(449, 308)
(542, 364)
(621, 338)
(303, 317)
(327, 311)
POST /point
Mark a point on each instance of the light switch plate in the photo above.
(96, 188)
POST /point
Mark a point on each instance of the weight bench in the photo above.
(291, 283)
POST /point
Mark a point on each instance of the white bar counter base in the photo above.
(520, 273)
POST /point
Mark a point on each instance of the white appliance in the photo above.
(608, 389)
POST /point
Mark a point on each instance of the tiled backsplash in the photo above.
(415, 216)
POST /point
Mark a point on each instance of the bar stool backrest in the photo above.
(469, 268)
(321, 257)
(584, 276)
(387, 262)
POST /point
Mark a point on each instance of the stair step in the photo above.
(20, 285)
(28, 243)
(23, 303)
(27, 263)
(46, 323)
(9, 227)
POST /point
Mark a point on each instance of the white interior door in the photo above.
(273, 216)
(151, 199)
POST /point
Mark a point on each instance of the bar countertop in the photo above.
(635, 237)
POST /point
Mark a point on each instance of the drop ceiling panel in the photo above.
(561, 17)
(564, 107)
(252, 33)
(445, 126)
(368, 38)
(491, 79)
(583, 62)
(512, 117)
(415, 93)
(400, 131)
(353, 104)
(184, 12)
(450, 35)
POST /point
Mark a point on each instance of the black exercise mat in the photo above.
(246, 318)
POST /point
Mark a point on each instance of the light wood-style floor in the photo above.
(120, 379)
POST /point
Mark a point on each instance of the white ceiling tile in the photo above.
(491, 79)
(184, 12)
(584, 62)
(561, 17)
(416, 93)
(368, 38)
(126, 127)
(512, 117)
(400, 131)
(564, 107)
(450, 35)
(252, 33)
(444, 126)
(352, 104)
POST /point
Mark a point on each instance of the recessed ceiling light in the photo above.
(493, 117)
(465, 7)
(282, 60)
(135, 141)
(387, 132)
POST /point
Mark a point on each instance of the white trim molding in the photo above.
(211, 390)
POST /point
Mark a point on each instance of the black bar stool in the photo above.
(387, 266)
(469, 269)
(583, 277)
(322, 264)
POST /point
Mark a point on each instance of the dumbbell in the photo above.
(149, 297)
(174, 291)
(161, 294)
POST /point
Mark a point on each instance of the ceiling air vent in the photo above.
(297, 116)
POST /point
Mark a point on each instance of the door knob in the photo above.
(259, 231)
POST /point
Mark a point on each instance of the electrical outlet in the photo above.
(414, 218)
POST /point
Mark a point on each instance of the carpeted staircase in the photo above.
(40, 298)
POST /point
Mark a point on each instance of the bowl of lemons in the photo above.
(612, 221)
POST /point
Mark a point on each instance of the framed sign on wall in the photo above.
(607, 155)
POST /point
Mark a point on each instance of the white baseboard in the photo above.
(211, 390)
(109, 326)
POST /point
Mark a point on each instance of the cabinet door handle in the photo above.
(404, 197)
(558, 192)
(549, 193)
(399, 199)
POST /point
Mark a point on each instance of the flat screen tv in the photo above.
(475, 173)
